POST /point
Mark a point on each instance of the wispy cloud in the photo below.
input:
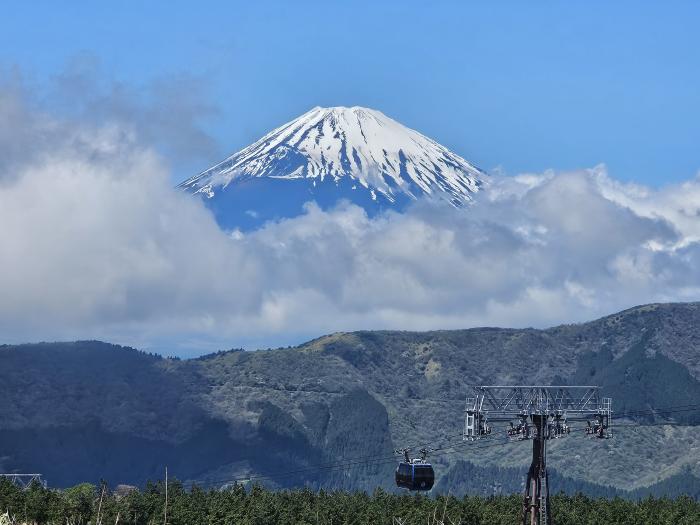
(168, 113)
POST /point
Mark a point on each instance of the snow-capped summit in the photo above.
(327, 154)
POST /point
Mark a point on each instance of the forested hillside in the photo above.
(87, 411)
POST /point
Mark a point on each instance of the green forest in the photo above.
(99, 505)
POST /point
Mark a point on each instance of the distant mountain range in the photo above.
(89, 410)
(328, 154)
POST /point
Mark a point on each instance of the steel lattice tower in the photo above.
(539, 413)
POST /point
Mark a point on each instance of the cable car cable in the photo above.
(391, 459)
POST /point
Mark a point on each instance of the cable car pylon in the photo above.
(539, 413)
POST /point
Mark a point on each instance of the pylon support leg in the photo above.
(536, 510)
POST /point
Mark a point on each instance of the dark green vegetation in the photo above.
(87, 411)
(466, 478)
(86, 503)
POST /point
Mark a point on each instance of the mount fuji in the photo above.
(329, 154)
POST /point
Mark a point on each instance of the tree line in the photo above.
(88, 504)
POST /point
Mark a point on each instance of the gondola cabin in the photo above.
(415, 475)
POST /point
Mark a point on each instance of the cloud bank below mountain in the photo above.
(95, 243)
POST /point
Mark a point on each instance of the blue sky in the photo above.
(523, 86)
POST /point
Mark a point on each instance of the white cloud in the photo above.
(95, 243)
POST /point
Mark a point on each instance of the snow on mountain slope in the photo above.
(326, 154)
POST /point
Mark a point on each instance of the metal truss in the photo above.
(25, 480)
(516, 404)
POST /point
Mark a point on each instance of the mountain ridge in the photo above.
(239, 413)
